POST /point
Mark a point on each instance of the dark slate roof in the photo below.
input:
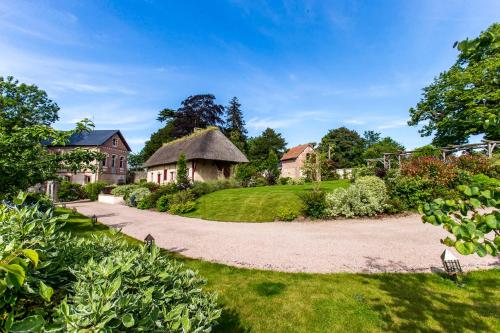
(94, 138)
(207, 144)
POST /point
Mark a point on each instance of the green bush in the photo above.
(182, 197)
(163, 202)
(314, 203)
(296, 181)
(201, 188)
(414, 191)
(286, 214)
(124, 190)
(92, 190)
(43, 201)
(151, 200)
(53, 282)
(483, 181)
(69, 191)
(137, 290)
(136, 196)
(366, 197)
(182, 208)
(283, 180)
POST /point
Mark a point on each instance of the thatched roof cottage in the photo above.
(210, 155)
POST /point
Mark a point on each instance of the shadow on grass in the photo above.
(230, 322)
(414, 307)
(269, 288)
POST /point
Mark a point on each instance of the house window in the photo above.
(165, 175)
(104, 161)
(171, 176)
(115, 142)
(121, 162)
(87, 179)
(67, 178)
(113, 158)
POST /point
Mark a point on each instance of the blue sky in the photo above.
(301, 67)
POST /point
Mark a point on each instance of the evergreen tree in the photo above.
(272, 171)
(258, 147)
(182, 173)
(235, 125)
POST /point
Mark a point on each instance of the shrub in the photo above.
(245, 173)
(286, 214)
(201, 188)
(167, 298)
(366, 197)
(483, 181)
(163, 202)
(124, 190)
(362, 171)
(283, 180)
(149, 185)
(57, 283)
(92, 190)
(182, 208)
(257, 181)
(136, 196)
(69, 191)
(150, 201)
(314, 203)
(182, 197)
(472, 163)
(43, 201)
(430, 168)
(296, 181)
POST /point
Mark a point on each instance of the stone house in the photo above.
(112, 169)
(293, 160)
(210, 155)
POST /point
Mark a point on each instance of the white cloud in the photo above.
(393, 124)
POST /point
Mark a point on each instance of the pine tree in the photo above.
(182, 173)
(235, 125)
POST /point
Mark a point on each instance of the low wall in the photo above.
(110, 199)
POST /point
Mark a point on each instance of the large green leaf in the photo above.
(31, 255)
(128, 320)
(15, 274)
(45, 291)
(29, 324)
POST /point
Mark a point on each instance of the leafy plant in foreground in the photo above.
(473, 220)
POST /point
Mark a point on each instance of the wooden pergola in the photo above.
(488, 145)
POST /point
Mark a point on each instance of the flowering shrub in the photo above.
(286, 214)
(431, 168)
(136, 196)
(471, 163)
(366, 197)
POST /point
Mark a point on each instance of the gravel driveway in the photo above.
(399, 244)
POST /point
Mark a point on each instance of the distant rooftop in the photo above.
(94, 138)
(294, 152)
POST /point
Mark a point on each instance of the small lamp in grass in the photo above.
(94, 220)
(74, 210)
(149, 241)
(451, 264)
(63, 205)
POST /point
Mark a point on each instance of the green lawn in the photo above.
(254, 204)
(265, 301)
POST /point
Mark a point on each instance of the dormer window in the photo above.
(115, 142)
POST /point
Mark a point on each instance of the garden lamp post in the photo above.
(149, 241)
(451, 264)
(94, 220)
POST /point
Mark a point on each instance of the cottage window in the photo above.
(165, 175)
(121, 162)
(115, 142)
(113, 160)
(87, 179)
(171, 176)
(104, 161)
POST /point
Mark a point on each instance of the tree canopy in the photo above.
(260, 146)
(195, 111)
(346, 146)
(464, 100)
(235, 125)
(26, 114)
(385, 145)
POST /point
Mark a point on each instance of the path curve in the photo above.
(399, 244)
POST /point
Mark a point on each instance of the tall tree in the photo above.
(235, 125)
(346, 147)
(26, 114)
(385, 145)
(371, 138)
(182, 173)
(157, 139)
(195, 111)
(259, 147)
(465, 100)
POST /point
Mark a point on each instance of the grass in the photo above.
(265, 301)
(254, 204)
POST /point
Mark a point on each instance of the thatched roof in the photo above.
(207, 144)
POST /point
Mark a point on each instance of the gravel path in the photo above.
(399, 244)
